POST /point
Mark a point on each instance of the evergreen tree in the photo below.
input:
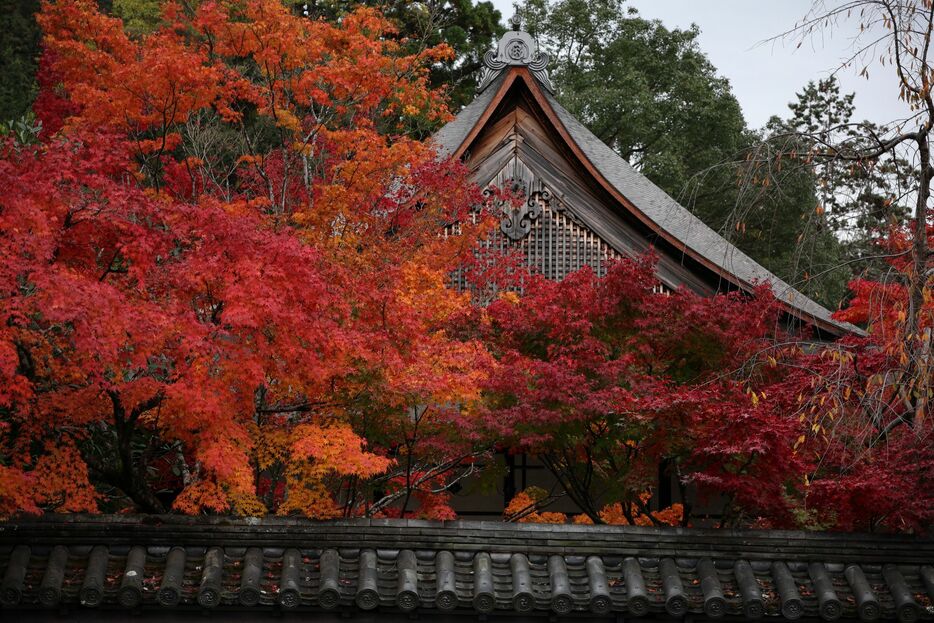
(19, 52)
(862, 200)
(652, 95)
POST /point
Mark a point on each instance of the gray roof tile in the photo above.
(678, 221)
(272, 564)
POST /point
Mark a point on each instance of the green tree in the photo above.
(820, 221)
(652, 95)
(778, 218)
(470, 29)
(19, 52)
(139, 16)
(647, 91)
(862, 199)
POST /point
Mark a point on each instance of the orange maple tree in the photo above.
(528, 506)
(222, 267)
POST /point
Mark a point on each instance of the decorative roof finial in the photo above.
(516, 19)
(516, 48)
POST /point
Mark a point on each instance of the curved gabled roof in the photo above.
(672, 221)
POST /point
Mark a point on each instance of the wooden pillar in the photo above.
(509, 480)
(664, 484)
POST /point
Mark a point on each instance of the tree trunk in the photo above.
(918, 346)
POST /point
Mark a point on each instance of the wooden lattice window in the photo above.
(542, 231)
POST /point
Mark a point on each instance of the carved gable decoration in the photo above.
(540, 228)
(518, 218)
(516, 48)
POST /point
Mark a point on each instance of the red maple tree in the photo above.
(604, 379)
(221, 256)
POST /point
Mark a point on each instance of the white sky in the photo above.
(766, 76)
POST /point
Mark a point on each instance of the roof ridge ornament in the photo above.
(516, 19)
(516, 48)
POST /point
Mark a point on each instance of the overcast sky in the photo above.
(766, 76)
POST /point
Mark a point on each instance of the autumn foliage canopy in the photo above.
(225, 288)
(217, 271)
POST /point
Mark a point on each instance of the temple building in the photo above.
(586, 205)
(583, 205)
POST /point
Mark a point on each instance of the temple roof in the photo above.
(670, 220)
(184, 564)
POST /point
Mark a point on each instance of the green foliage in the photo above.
(139, 16)
(646, 91)
(820, 220)
(861, 200)
(19, 51)
(654, 97)
(777, 217)
(25, 129)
